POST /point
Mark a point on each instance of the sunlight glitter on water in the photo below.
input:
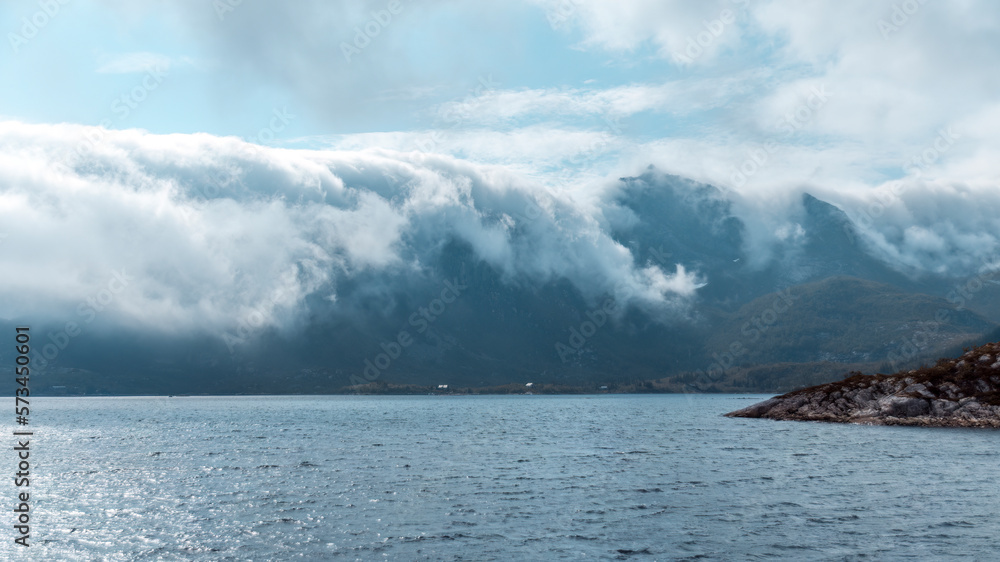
(490, 478)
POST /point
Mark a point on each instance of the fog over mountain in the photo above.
(208, 227)
(260, 197)
(320, 257)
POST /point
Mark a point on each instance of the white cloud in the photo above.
(682, 96)
(298, 222)
(670, 25)
(552, 154)
(212, 229)
(889, 93)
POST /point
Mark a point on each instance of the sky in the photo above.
(341, 129)
(853, 90)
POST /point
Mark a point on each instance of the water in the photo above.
(496, 478)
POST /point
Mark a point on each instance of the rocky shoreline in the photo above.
(963, 392)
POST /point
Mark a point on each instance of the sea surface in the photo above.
(609, 477)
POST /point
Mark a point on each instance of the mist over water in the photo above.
(661, 477)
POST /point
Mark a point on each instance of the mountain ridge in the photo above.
(504, 330)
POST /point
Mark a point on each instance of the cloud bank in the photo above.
(211, 229)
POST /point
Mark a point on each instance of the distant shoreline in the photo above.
(457, 393)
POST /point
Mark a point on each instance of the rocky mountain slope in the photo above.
(963, 392)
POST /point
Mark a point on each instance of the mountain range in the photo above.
(818, 304)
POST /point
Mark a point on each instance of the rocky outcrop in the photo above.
(963, 392)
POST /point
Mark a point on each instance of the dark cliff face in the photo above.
(833, 246)
(667, 220)
(962, 392)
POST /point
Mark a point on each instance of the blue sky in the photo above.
(675, 78)
(423, 57)
(226, 70)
